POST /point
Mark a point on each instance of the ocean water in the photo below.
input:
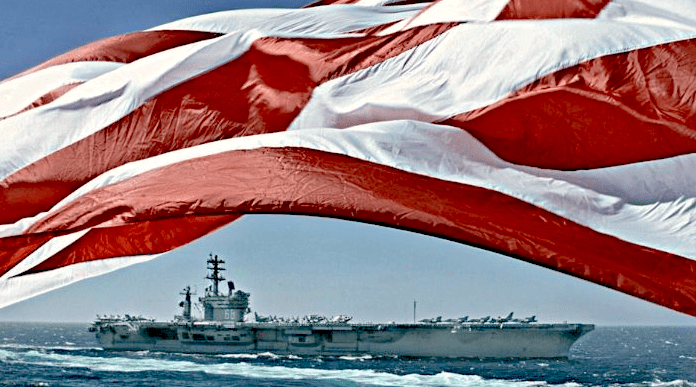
(33, 354)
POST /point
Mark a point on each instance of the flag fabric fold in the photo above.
(560, 133)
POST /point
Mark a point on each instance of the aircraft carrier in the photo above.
(224, 330)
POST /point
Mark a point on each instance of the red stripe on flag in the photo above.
(552, 9)
(320, 3)
(142, 238)
(609, 111)
(15, 249)
(246, 96)
(299, 181)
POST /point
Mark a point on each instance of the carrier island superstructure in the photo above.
(223, 330)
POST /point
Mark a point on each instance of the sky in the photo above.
(296, 265)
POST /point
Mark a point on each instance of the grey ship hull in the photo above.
(509, 340)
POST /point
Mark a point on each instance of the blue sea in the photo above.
(38, 354)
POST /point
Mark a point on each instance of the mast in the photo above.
(186, 304)
(214, 265)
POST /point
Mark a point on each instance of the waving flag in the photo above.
(562, 133)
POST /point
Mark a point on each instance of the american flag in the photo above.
(557, 132)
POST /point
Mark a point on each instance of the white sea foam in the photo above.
(4, 355)
(366, 377)
(360, 358)
(70, 347)
(263, 355)
(674, 383)
(34, 356)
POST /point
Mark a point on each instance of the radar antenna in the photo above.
(214, 265)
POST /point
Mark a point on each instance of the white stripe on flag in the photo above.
(675, 14)
(23, 287)
(445, 11)
(340, 18)
(16, 94)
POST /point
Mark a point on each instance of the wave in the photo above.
(359, 358)
(273, 356)
(50, 347)
(263, 355)
(674, 383)
(363, 377)
(126, 364)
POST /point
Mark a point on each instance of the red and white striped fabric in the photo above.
(562, 133)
